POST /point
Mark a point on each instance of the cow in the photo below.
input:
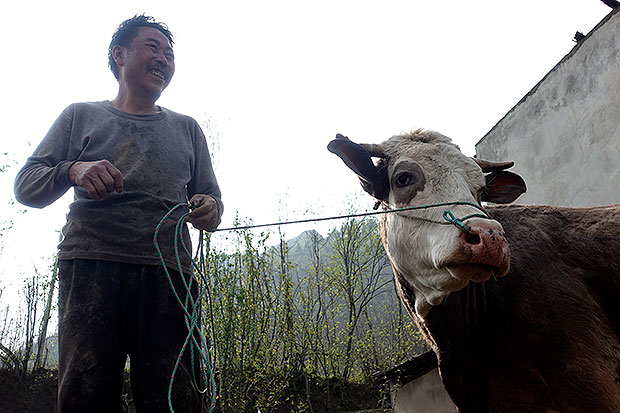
(520, 303)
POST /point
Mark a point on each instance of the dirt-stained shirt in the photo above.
(164, 161)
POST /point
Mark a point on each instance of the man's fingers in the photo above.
(204, 221)
(107, 180)
(91, 188)
(109, 176)
(117, 178)
(202, 205)
(200, 210)
(204, 215)
(98, 178)
(96, 188)
(198, 202)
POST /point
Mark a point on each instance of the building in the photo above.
(564, 135)
(417, 388)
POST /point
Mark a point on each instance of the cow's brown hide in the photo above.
(546, 337)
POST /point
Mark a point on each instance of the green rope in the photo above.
(191, 309)
(459, 222)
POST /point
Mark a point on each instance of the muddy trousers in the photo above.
(108, 310)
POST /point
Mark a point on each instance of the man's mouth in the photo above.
(159, 74)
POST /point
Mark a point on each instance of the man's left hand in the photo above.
(204, 216)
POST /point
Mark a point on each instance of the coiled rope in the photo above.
(192, 307)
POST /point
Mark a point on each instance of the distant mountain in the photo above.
(51, 349)
(300, 254)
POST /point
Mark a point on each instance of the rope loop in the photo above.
(195, 341)
(449, 216)
(460, 222)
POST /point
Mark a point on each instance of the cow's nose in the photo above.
(471, 237)
(487, 244)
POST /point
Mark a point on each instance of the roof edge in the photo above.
(569, 55)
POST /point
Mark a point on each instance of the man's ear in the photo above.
(118, 54)
(374, 180)
(503, 187)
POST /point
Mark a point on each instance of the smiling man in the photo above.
(129, 162)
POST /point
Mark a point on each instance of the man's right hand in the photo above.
(99, 178)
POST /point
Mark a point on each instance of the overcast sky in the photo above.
(276, 80)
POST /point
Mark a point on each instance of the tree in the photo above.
(20, 334)
(40, 358)
(359, 262)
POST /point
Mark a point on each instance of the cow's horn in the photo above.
(489, 166)
(374, 150)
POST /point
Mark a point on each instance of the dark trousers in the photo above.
(108, 310)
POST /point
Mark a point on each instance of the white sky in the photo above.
(279, 79)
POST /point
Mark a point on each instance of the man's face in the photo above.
(148, 63)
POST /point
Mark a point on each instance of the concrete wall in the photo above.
(423, 395)
(564, 136)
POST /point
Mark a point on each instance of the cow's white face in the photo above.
(434, 256)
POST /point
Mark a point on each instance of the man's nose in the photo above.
(161, 59)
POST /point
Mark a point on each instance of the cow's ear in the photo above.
(356, 157)
(503, 187)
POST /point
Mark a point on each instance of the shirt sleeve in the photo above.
(203, 177)
(45, 176)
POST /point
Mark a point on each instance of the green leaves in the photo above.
(295, 321)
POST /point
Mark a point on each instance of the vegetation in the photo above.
(23, 337)
(298, 325)
(312, 315)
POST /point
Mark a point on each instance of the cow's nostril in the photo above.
(472, 239)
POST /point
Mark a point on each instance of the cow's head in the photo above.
(425, 168)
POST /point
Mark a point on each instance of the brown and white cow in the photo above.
(523, 307)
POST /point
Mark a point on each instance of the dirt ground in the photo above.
(36, 393)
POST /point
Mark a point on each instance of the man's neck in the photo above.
(127, 104)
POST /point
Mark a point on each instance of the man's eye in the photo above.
(403, 180)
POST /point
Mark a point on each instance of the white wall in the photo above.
(423, 395)
(564, 136)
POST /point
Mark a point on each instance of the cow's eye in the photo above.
(403, 180)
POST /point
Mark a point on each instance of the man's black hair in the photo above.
(128, 30)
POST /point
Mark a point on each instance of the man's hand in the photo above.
(99, 178)
(204, 216)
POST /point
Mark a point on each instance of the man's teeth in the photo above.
(158, 74)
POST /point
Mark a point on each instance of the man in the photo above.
(129, 162)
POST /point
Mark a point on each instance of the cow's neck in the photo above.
(458, 330)
(464, 312)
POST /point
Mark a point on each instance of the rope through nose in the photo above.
(459, 222)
